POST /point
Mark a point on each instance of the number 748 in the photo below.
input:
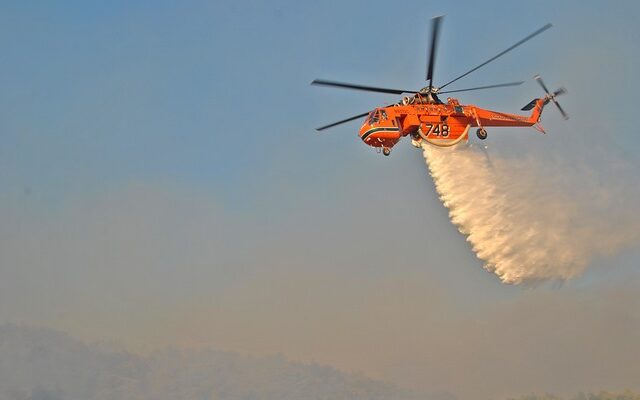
(437, 129)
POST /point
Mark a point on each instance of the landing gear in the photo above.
(422, 134)
(482, 133)
(416, 140)
(386, 151)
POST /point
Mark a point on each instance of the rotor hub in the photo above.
(426, 90)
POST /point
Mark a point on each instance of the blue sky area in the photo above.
(216, 95)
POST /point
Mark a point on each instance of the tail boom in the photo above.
(495, 118)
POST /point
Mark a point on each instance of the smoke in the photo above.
(532, 219)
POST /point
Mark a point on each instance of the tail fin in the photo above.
(536, 105)
(530, 105)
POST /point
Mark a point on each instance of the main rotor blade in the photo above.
(342, 122)
(322, 82)
(435, 30)
(484, 87)
(539, 31)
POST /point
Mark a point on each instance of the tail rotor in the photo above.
(552, 96)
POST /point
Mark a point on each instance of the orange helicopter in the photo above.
(424, 117)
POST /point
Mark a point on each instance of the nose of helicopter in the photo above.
(364, 132)
(378, 135)
(369, 133)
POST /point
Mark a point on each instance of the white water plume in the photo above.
(526, 222)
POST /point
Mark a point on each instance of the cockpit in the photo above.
(376, 116)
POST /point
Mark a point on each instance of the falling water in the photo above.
(525, 225)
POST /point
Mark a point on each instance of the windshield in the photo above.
(375, 116)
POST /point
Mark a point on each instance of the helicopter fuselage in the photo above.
(441, 124)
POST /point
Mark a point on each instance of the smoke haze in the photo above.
(42, 364)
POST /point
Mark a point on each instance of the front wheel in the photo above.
(386, 151)
(481, 133)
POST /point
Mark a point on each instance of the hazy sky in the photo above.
(163, 184)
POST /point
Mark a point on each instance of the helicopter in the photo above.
(425, 118)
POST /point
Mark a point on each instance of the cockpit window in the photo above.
(373, 117)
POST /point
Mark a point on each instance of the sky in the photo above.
(163, 184)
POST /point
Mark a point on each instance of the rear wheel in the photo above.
(482, 133)
(386, 151)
